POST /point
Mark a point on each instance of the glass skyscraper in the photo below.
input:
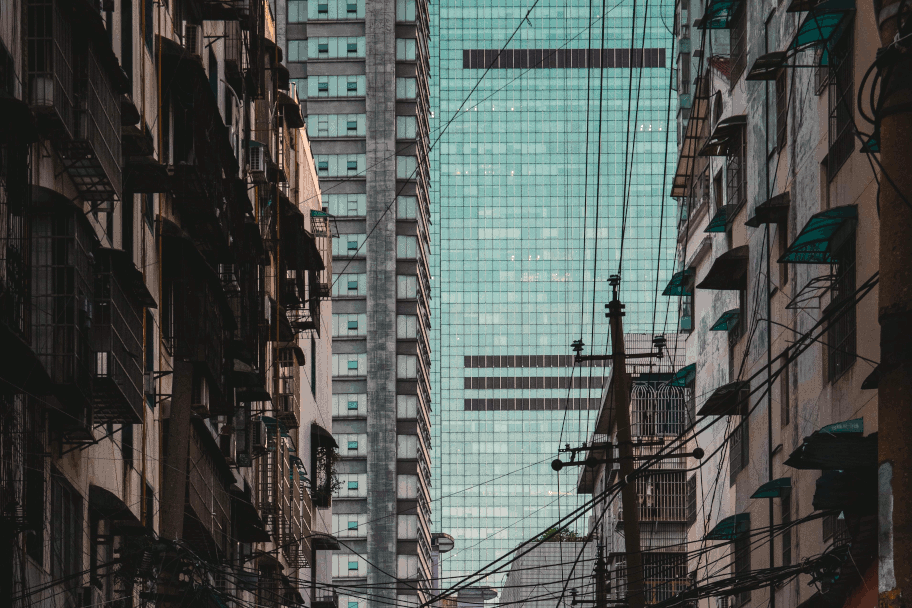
(528, 184)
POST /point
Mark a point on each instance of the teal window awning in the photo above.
(719, 13)
(773, 489)
(727, 400)
(684, 376)
(821, 24)
(727, 321)
(272, 423)
(728, 272)
(681, 283)
(720, 221)
(730, 528)
(855, 425)
(823, 233)
(836, 447)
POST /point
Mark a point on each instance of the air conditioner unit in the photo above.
(228, 446)
(257, 164)
(259, 436)
(193, 39)
(199, 399)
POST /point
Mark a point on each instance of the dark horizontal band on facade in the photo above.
(482, 59)
(543, 404)
(529, 361)
(541, 382)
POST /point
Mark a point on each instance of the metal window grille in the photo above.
(781, 108)
(691, 500)
(842, 333)
(657, 410)
(14, 230)
(786, 532)
(738, 40)
(50, 69)
(741, 557)
(664, 576)
(841, 87)
(662, 497)
(739, 448)
(835, 529)
(735, 169)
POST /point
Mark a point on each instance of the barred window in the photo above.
(781, 109)
(786, 532)
(662, 497)
(739, 449)
(738, 40)
(842, 333)
(741, 554)
(841, 87)
(834, 529)
(691, 500)
(736, 170)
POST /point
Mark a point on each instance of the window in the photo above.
(406, 326)
(352, 47)
(322, 8)
(408, 527)
(406, 167)
(406, 88)
(352, 245)
(406, 49)
(786, 532)
(842, 333)
(408, 486)
(66, 533)
(351, 7)
(348, 364)
(841, 87)
(407, 566)
(352, 445)
(352, 405)
(739, 447)
(741, 550)
(348, 405)
(406, 246)
(781, 109)
(407, 406)
(351, 125)
(349, 285)
(835, 529)
(407, 206)
(406, 127)
(352, 565)
(353, 485)
(352, 165)
(406, 366)
(407, 447)
(352, 365)
(297, 11)
(785, 413)
(738, 42)
(322, 165)
(352, 525)
(352, 86)
(405, 10)
(406, 287)
(322, 86)
(352, 285)
(342, 205)
(691, 500)
(348, 564)
(323, 48)
(735, 168)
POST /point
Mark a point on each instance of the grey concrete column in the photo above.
(380, 67)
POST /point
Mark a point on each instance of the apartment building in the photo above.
(361, 71)
(165, 273)
(777, 292)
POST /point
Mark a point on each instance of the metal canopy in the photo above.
(773, 211)
(835, 452)
(727, 400)
(322, 438)
(767, 67)
(728, 320)
(773, 489)
(821, 235)
(854, 492)
(684, 376)
(718, 14)
(728, 272)
(693, 135)
(681, 283)
(271, 424)
(856, 425)
(723, 135)
(730, 528)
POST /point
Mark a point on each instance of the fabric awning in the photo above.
(841, 451)
(681, 283)
(728, 272)
(718, 14)
(730, 528)
(773, 211)
(727, 321)
(322, 438)
(727, 400)
(823, 233)
(773, 489)
(723, 135)
(684, 376)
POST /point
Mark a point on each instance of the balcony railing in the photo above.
(51, 80)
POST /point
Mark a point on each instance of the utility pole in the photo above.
(620, 382)
(895, 314)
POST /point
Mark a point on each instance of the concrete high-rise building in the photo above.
(361, 71)
(530, 179)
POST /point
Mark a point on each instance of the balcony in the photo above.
(63, 291)
(286, 400)
(120, 295)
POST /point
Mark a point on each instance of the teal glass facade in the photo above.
(516, 176)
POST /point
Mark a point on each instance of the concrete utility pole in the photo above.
(895, 316)
(601, 587)
(620, 382)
